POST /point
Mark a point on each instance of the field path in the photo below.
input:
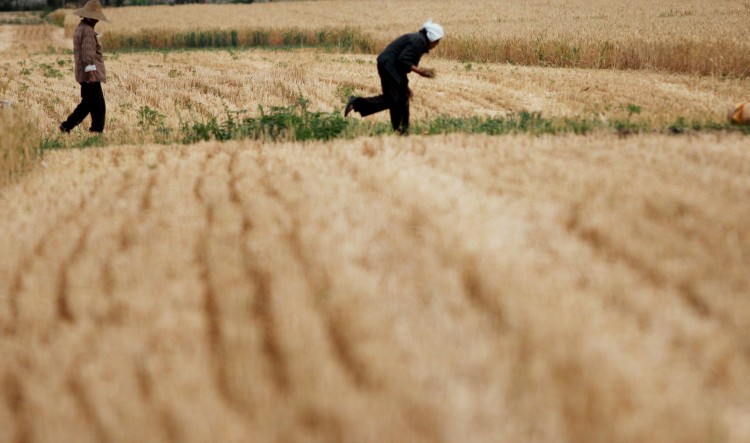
(442, 289)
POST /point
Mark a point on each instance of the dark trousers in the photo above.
(92, 102)
(395, 97)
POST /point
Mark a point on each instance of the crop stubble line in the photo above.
(476, 293)
(317, 282)
(210, 302)
(474, 290)
(146, 198)
(124, 235)
(108, 277)
(15, 288)
(681, 292)
(262, 307)
(25, 262)
(124, 239)
(262, 312)
(64, 310)
(15, 396)
(108, 274)
(78, 389)
(144, 381)
(165, 416)
(600, 244)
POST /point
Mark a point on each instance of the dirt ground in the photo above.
(441, 289)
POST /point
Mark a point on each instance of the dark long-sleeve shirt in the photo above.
(403, 53)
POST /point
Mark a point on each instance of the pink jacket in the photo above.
(88, 54)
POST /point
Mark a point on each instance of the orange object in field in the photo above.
(740, 113)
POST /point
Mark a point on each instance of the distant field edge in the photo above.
(342, 39)
(726, 58)
(719, 58)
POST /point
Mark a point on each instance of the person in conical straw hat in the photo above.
(89, 69)
(398, 59)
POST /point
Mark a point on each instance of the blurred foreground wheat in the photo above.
(421, 289)
(19, 143)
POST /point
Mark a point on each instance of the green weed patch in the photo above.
(297, 123)
(277, 123)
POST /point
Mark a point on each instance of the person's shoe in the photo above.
(349, 106)
(63, 129)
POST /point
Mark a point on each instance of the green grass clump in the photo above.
(277, 123)
(50, 71)
(522, 122)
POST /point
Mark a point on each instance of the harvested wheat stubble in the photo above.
(194, 85)
(459, 288)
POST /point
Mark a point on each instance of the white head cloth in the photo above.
(434, 31)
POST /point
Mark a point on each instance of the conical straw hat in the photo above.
(92, 9)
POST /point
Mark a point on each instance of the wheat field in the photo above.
(690, 36)
(615, 20)
(453, 288)
(180, 89)
(458, 288)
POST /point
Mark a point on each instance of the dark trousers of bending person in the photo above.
(395, 98)
(92, 102)
(397, 60)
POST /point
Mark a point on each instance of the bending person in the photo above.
(89, 69)
(397, 60)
